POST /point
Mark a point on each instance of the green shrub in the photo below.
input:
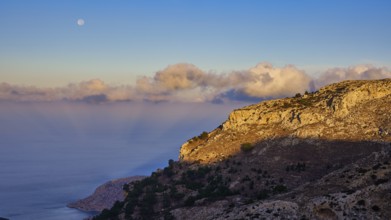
(287, 105)
(173, 193)
(246, 147)
(204, 135)
(168, 216)
(375, 208)
(263, 194)
(105, 214)
(171, 163)
(305, 102)
(279, 189)
(190, 201)
(112, 213)
(361, 202)
(166, 200)
(168, 172)
(125, 187)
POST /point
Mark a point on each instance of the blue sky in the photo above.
(41, 43)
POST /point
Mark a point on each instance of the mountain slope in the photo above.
(323, 155)
(350, 110)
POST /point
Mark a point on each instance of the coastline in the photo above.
(104, 196)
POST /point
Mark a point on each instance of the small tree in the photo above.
(171, 163)
(204, 135)
(246, 147)
(279, 189)
(190, 201)
(166, 200)
(263, 194)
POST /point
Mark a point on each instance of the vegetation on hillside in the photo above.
(182, 185)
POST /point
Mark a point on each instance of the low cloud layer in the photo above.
(359, 72)
(187, 83)
(91, 91)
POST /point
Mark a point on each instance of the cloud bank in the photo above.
(359, 72)
(187, 83)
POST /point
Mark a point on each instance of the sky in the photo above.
(126, 44)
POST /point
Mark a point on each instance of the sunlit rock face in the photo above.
(351, 110)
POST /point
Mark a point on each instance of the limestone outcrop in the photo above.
(350, 110)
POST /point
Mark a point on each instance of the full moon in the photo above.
(80, 22)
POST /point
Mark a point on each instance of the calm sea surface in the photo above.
(55, 153)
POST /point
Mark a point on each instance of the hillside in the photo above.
(321, 155)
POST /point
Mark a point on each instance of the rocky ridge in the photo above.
(350, 110)
(321, 155)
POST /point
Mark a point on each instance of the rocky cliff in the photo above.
(351, 110)
(321, 155)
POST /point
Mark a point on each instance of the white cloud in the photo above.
(266, 81)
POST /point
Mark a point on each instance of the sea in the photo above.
(53, 153)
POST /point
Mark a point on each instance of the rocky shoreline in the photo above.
(104, 196)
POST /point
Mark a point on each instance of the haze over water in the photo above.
(55, 153)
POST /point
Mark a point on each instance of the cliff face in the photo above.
(351, 110)
(323, 155)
